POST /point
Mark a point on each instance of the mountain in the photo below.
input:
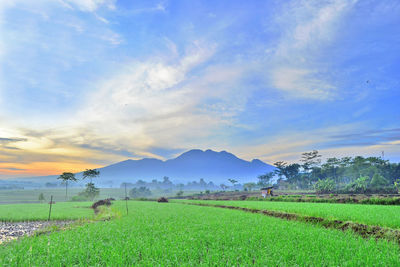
(189, 166)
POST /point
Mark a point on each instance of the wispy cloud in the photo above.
(307, 27)
(88, 5)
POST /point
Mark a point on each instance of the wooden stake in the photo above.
(51, 203)
(126, 200)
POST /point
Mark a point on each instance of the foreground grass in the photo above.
(34, 212)
(161, 234)
(385, 216)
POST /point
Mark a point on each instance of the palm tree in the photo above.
(67, 176)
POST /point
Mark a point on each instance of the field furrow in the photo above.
(384, 216)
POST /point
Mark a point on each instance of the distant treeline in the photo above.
(342, 175)
(166, 183)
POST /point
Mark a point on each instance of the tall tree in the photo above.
(233, 182)
(65, 177)
(223, 187)
(265, 179)
(280, 169)
(249, 186)
(310, 160)
(91, 173)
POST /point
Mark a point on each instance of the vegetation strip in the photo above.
(366, 231)
(339, 200)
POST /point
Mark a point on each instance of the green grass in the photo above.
(32, 195)
(161, 234)
(386, 216)
(34, 212)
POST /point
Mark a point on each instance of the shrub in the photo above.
(103, 202)
(162, 200)
(324, 186)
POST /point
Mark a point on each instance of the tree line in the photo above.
(342, 175)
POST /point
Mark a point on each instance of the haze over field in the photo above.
(84, 84)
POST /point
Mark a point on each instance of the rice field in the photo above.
(172, 234)
(35, 212)
(385, 216)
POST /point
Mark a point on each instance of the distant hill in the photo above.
(192, 165)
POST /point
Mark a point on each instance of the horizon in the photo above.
(85, 84)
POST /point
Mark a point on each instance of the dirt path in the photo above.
(13, 230)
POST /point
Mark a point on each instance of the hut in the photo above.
(266, 191)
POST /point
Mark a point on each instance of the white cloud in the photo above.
(304, 82)
(89, 5)
(297, 60)
(111, 37)
(170, 102)
(147, 99)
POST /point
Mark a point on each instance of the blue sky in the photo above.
(85, 83)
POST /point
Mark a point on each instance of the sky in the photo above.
(87, 83)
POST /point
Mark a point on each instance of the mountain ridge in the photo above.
(189, 166)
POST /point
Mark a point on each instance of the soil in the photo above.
(13, 230)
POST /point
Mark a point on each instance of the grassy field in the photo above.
(34, 212)
(386, 216)
(32, 195)
(161, 234)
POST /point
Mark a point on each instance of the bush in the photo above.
(324, 186)
(162, 200)
(103, 202)
(358, 186)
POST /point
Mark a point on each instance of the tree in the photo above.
(166, 183)
(292, 173)
(397, 185)
(249, 186)
(223, 186)
(378, 181)
(179, 193)
(90, 192)
(65, 177)
(41, 197)
(280, 169)
(139, 192)
(264, 180)
(90, 173)
(310, 160)
(233, 182)
(202, 183)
